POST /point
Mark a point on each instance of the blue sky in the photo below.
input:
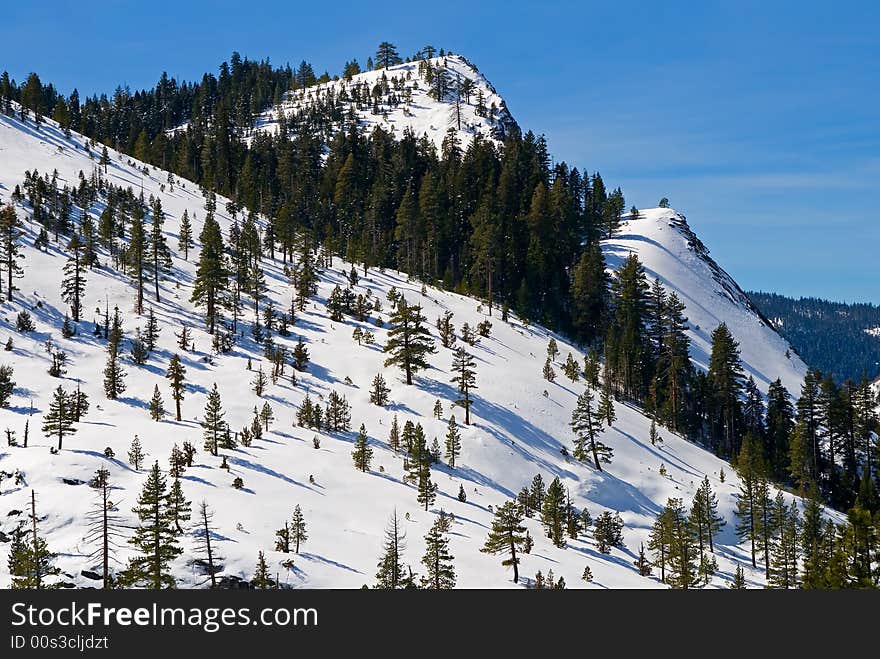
(758, 120)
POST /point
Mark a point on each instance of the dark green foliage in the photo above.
(362, 453)
(507, 536)
(464, 367)
(439, 569)
(59, 419)
(215, 427)
(608, 532)
(409, 341)
(587, 425)
(7, 385)
(155, 539)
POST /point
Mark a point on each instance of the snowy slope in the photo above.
(671, 251)
(517, 430)
(407, 103)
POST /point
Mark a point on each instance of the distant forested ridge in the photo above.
(833, 337)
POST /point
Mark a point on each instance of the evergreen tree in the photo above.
(440, 572)
(362, 453)
(394, 435)
(136, 255)
(453, 442)
(259, 382)
(507, 535)
(157, 407)
(605, 411)
(784, 549)
(554, 512)
(215, 427)
(58, 421)
(73, 286)
(379, 391)
(155, 539)
(682, 566)
(212, 275)
(726, 381)
(739, 579)
(586, 425)
(386, 55)
(589, 295)
(185, 235)
(409, 341)
(261, 579)
(608, 531)
(179, 509)
(136, 453)
(464, 367)
(298, 531)
(11, 232)
(176, 375)
(113, 374)
(750, 468)
(160, 255)
(391, 574)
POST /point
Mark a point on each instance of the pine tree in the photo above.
(453, 442)
(394, 435)
(11, 232)
(160, 255)
(379, 391)
(214, 424)
(548, 372)
(608, 532)
(261, 579)
(391, 574)
(605, 411)
(155, 539)
(157, 407)
(447, 330)
(682, 545)
(554, 512)
(73, 286)
(58, 421)
(409, 341)
(179, 509)
(362, 453)
(426, 488)
(259, 382)
(298, 534)
(440, 572)
(462, 495)
(136, 454)
(438, 409)
(726, 380)
(212, 275)
(784, 549)
(586, 426)
(643, 565)
(185, 235)
(113, 374)
(464, 367)
(266, 415)
(750, 467)
(300, 356)
(739, 579)
(136, 255)
(507, 535)
(176, 375)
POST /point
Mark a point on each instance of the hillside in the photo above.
(429, 97)
(520, 421)
(835, 337)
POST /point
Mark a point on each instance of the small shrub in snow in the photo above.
(238, 483)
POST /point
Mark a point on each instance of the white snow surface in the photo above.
(422, 113)
(519, 420)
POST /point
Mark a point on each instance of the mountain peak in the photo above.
(428, 97)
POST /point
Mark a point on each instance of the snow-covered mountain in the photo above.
(519, 420)
(670, 250)
(404, 97)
